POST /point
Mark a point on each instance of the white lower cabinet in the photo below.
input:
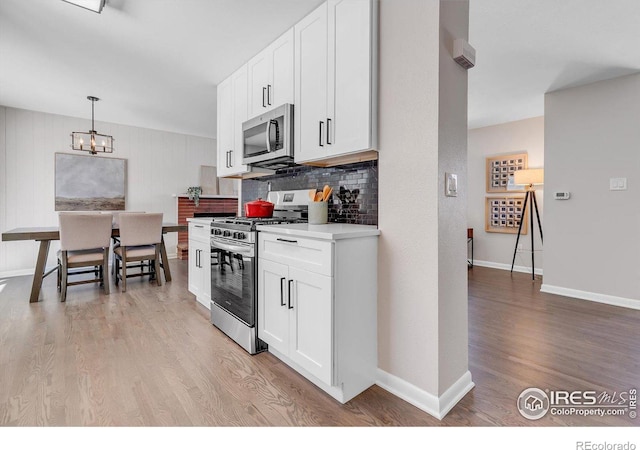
(297, 316)
(200, 263)
(320, 320)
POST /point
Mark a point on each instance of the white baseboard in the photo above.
(16, 273)
(438, 407)
(592, 296)
(495, 265)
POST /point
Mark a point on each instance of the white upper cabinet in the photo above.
(336, 83)
(326, 66)
(310, 107)
(225, 125)
(232, 112)
(270, 75)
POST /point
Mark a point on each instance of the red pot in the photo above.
(258, 208)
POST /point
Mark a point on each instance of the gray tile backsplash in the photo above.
(355, 189)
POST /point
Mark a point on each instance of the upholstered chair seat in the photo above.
(84, 242)
(140, 239)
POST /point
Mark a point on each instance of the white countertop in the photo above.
(331, 231)
(200, 220)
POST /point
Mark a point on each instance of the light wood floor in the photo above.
(150, 357)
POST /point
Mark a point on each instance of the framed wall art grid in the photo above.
(504, 214)
(500, 169)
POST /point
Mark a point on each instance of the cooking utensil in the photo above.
(327, 194)
(259, 208)
(325, 191)
(312, 195)
(318, 197)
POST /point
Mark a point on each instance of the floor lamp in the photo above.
(529, 178)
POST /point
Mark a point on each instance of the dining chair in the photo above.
(84, 242)
(140, 238)
(116, 239)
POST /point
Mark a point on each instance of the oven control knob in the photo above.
(217, 232)
(241, 236)
(226, 233)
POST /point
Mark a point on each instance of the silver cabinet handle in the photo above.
(328, 131)
(290, 241)
(269, 94)
(320, 134)
(282, 303)
(263, 92)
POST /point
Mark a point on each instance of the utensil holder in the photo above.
(318, 212)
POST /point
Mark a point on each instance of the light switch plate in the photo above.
(617, 184)
(451, 185)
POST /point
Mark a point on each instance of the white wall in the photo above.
(452, 211)
(159, 164)
(421, 266)
(592, 134)
(496, 249)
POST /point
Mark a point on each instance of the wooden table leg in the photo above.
(43, 253)
(165, 261)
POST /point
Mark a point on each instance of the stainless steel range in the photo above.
(234, 267)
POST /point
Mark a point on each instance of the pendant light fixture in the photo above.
(91, 5)
(92, 141)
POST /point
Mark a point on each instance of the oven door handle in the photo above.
(244, 250)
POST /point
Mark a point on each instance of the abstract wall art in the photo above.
(89, 183)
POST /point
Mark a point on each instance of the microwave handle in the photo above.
(268, 136)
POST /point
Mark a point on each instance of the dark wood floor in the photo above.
(150, 357)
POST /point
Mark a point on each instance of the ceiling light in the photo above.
(91, 141)
(93, 5)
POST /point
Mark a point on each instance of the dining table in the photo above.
(45, 235)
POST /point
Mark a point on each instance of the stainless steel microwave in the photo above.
(268, 139)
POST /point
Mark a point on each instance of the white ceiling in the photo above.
(155, 63)
(525, 48)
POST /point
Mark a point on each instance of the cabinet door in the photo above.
(225, 126)
(280, 83)
(350, 76)
(311, 330)
(205, 269)
(258, 74)
(273, 305)
(310, 110)
(239, 90)
(195, 277)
